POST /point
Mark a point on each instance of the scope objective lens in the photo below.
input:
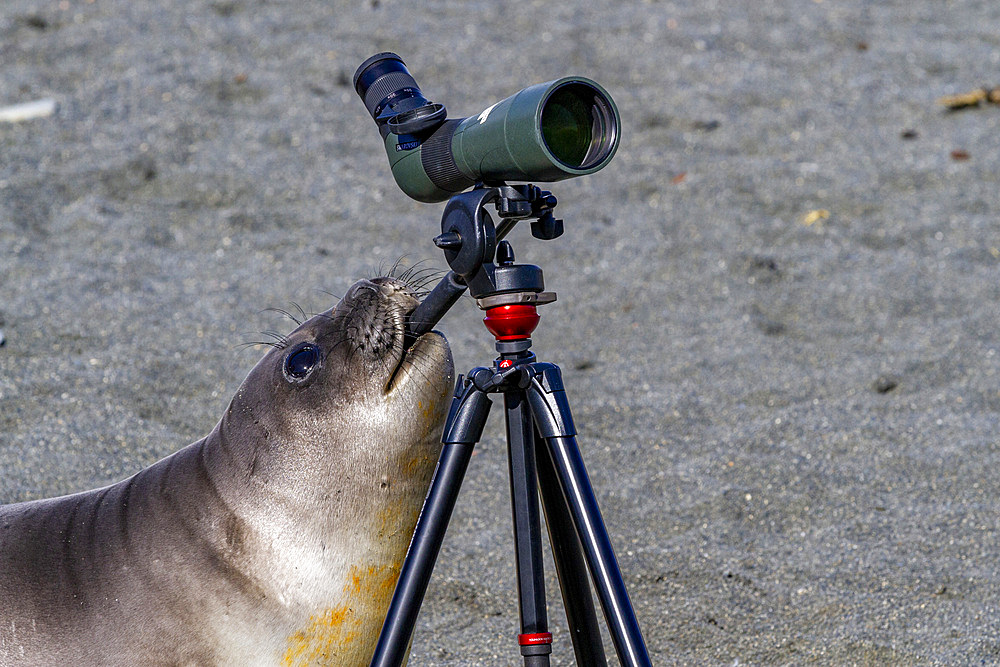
(578, 125)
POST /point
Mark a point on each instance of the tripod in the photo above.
(542, 451)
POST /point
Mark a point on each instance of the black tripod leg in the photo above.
(462, 430)
(570, 566)
(555, 422)
(535, 640)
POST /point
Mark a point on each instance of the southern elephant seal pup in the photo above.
(276, 539)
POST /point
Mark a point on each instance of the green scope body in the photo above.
(546, 132)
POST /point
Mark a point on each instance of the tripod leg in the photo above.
(462, 430)
(571, 567)
(534, 639)
(555, 422)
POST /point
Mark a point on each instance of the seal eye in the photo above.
(301, 361)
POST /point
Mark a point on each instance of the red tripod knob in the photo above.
(512, 322)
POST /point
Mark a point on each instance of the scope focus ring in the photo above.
(439, 162)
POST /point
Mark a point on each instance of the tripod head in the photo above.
(484, 263)
(469, 238)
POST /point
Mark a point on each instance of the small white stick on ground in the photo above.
(27, 111)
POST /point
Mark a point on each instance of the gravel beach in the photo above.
(777, 315)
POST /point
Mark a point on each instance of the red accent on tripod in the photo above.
(535, 638)
(512, 322)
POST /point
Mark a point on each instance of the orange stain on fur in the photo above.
(396, 523)
(346, 634)
(412, 465)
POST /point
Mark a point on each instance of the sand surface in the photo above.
(778, 307)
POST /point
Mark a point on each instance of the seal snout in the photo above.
(376, 312)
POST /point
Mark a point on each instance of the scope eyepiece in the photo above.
(393, 97)
(546, 132)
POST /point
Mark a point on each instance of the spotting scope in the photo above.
(547, 132)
